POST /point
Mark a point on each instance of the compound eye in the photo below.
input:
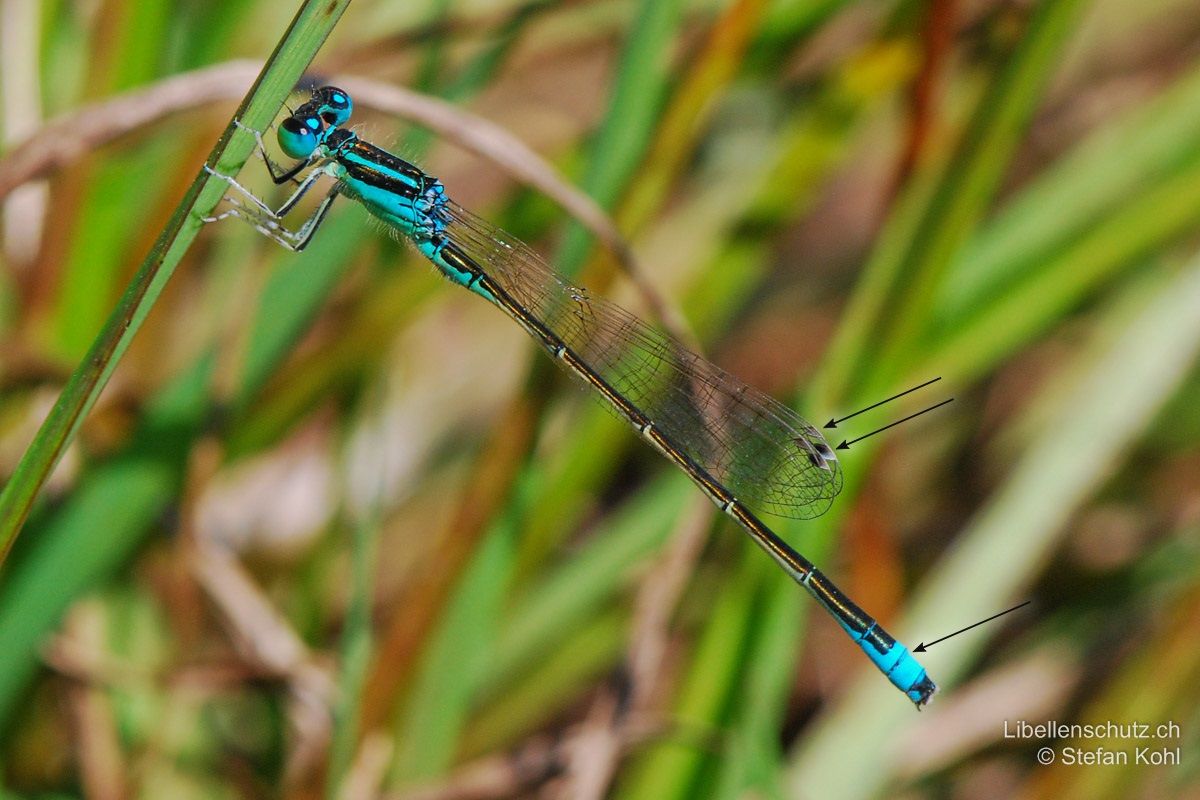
(298, 138)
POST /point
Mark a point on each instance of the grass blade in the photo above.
(889, 312)
(633, 110)
(295, 51)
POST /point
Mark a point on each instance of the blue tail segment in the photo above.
(898, 664)
(892, 658)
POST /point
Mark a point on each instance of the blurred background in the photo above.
(337, 528)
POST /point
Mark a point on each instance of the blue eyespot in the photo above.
(334, 104)
(298, 139)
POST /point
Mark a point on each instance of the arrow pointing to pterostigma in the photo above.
(833, 423)
(846, 444)
(921, 647)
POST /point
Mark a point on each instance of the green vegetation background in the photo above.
(335, 529)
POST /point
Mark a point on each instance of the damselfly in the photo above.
(741, 447)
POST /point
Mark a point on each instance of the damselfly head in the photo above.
(328, 109)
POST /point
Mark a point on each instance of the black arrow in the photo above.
(845, 445)
(833, 422)
(921, 647)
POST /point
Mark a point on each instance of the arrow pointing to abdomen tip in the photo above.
(921, 647)
(833, 423)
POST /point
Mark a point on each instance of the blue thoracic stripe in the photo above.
(585, 336)
(407, 172)
(381, 176)
(381, 169)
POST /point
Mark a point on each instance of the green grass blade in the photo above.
(295, 51)
(298, 286)
(129, 494)
(66, 544)
(1011, 319)
(560, 603)
(355, 653)
(671, 769)
(1118, 161)
(456, 659)
(893, 305)
(628, 126)
(552, 685)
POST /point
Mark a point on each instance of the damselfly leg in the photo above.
(268, 221)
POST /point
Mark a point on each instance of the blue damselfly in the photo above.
(740, 446)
